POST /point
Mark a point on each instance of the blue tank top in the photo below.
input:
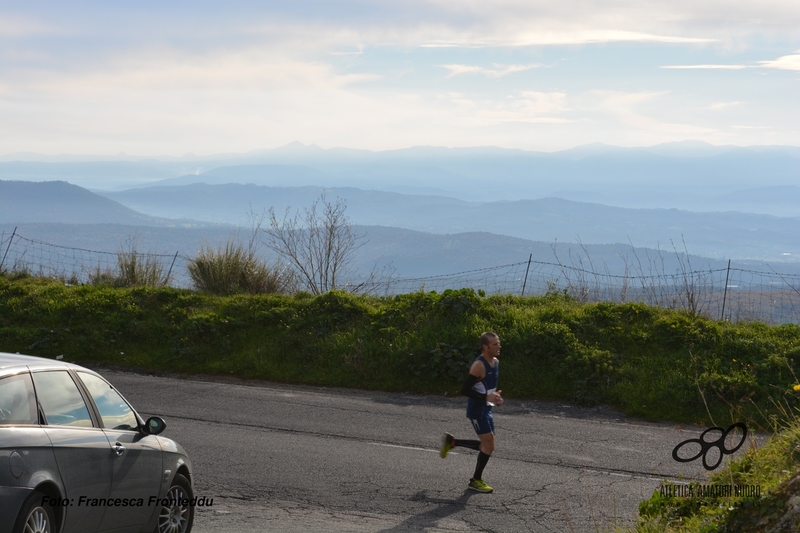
(479, 408)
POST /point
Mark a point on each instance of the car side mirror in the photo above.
(154, 426)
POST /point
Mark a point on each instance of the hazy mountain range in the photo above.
(419, 235)
(431, 210)
(719, 235)
(687, 175)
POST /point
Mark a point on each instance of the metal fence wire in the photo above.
(79, 265)
(727, 293)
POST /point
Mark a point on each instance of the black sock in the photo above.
(471, 444)
(482, 460)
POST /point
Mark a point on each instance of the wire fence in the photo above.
(79, 265)
(726, 293)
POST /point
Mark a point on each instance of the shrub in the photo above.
(234, 268)
(140, 270)
(134, 269)
(103, 277)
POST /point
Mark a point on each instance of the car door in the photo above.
(26, 456)
(80, 447)
(135, 461)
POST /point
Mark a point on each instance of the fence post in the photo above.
(526, 275)
(172, 265)
(725, 294)
(11, 240)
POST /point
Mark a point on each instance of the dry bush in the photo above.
(234, 268)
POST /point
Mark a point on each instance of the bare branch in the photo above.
(318, 242)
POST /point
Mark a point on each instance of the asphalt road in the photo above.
(302, 459)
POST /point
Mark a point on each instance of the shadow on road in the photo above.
(443, 508)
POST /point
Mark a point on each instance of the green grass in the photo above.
(646, 361)
(771, 467)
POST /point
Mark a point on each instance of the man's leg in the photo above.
(449, 442)
(485, 451)
(485, 430)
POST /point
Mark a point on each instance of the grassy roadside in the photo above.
(768, 478)
(648, 362)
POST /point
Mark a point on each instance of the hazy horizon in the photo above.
(689, 144)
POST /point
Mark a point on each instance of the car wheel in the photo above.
(36, 516)
(176, 514)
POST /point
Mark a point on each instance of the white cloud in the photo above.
(620, 101)
(170, 70)
(480, 24)
(790, 62)
(710, 67)
(526, 107)
(787, 62)
(470, 24)
(550, 37)
(638, 111)
(719, 106)
(543, 103)
(497, 72)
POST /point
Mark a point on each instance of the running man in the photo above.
(481, 388)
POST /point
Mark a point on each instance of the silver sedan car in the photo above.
(75, 457)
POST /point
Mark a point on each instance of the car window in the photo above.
(17, 400)
(115, 412)
(61, 402)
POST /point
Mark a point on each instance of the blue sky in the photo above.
(150, 78)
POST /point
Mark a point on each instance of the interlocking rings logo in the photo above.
(706, 446)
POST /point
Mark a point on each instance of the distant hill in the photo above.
(61, 202)
(106, 175)
(255, 174)
(233, 203)
(689, 175)
(719, 235)
(780, 201)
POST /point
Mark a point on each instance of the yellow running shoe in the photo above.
(479, 485)
(447, 439)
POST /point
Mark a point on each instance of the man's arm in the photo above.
(476, 373)
(468, 390)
